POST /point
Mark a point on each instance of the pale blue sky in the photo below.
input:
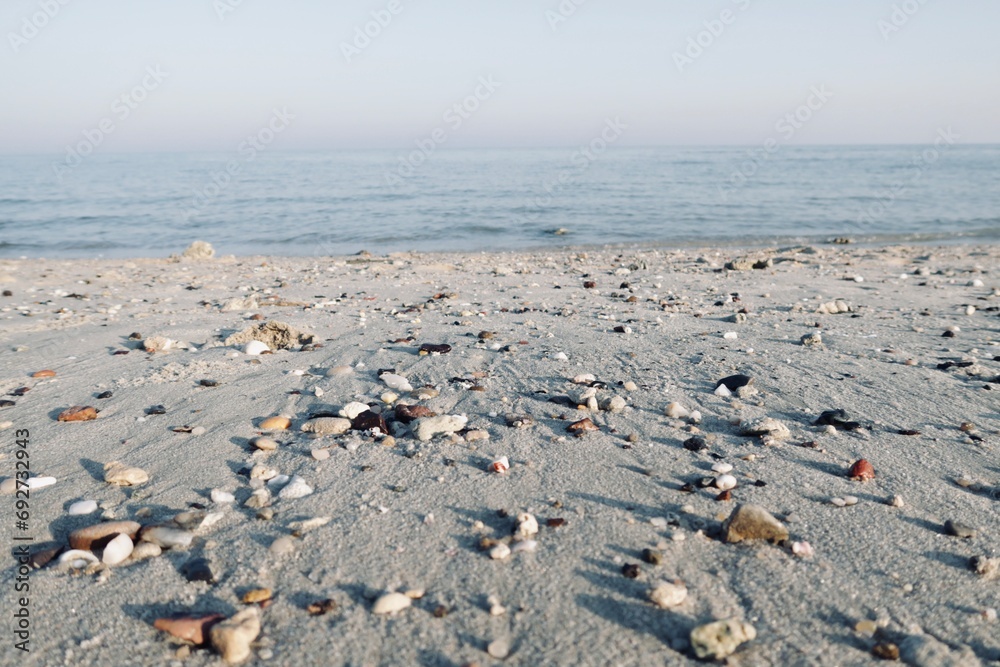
(558, 87)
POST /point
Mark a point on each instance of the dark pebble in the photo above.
(948, 334)
(695, 444)
(440, 611)
(198, 569)
(589, 284)
(105, 394)
(209, 383)
(631, 571)
(21, 391)
(886, 651)
(135, 336)
(652, 556)
(7, 292)
(556, 522)
(734, 382)
(959, 529)
(7, 404)
(368, 420)
(156, 410)
(430, 348)
(321, 607)
(837, 418)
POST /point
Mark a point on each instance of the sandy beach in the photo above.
(549, 558)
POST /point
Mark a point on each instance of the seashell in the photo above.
(257, 595)
(44, 374)
(157, 344)
(353, 409)
(722, 468)
(78, 413)
(390, 603)
(499, 551)
(82, 507)
(861, 471)
(501, 465)
(433, 349)
(296, 488)
(585, 378)
(145, 550)
(77, 559)
(119, 474)
(583, 426)
(676, 411)
(255, 347)
(300, 528)
(426, 428)
(723, 390)
(527, 525)
(264, 444)
(803, 549)
(666, 595)
(117, 550)
(232, 637)
(87, 538)
(279, 423)
(40, 482)
(397, 382)
(166, 537)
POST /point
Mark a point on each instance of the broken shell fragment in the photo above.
(119, 474)
(501, 465)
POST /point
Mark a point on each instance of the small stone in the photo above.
(750, 522)
(615, 404)
(652, 556)
(352, 410)
(957, 529)
(812, 340)
(676, 411)
(36, 483)
(296, 488)
(264, 444)
(278, 423)
(255, 348)
(409, 413)
(78, 413)
(232, 637)
(117, 550)
(501, 465)
(96, 536)
(434, 349)
(82, 507)
(988, 568)
(499, 649)
(725, 482)
(766, 426)
(866, 627)
(630, 386)
(896, 501)
(583, 426)
(119, 474)
(257, 595)
(166, 537)
(720, 640)
(695, 443)
(391, 603)
(321, 607)
(329, 425)
(527, 525)
(499, 551)
(188, 628)
(667, 595)
(258, 499)
(199, 250)
(155, 344)
(199, 569)
(885, 651)
(44, 374)
(803, 550)
(631, 571)
(144, 550)
(397, 382)
(222, 497)
(427, 427)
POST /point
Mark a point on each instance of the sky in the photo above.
(204, 75)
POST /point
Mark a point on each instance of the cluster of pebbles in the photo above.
(500, 406)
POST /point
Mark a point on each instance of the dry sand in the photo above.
(411, 515)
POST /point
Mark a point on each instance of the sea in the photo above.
(341, 203)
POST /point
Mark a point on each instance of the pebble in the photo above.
(615, 404)
(82, 507)
(255, 348)
(812, 340)
(117, 550)
(221, 497)
(725, 482)
(166, 537)
(499, 649)
(527, 525)
(730, 335)
(279, 423)
(189, 628)
(36, 483)
(861, 471)
(144, 550)
(78, 413)
(232, 637)
(803, 550)
(296, 488)
(667, 595)
(585, 425)
(720, 640)
(766, 426)
(264, 444)
(584, 378)
(353, 409)
(500, 551)
(427, 427)
(155, 344)
(722, 468)
(986, 567)
(750, 522)
(631, 386)
(199, 569)
(330, 425)
(282, 546)
(397, 382)
(956, 529)
(119, 474)
(501, 465)
(87, 538)
(44, 374)
(258, 499)
(391, 603)
(676, 411)
(652, 556)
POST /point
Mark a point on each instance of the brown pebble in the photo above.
(44, 374)
(78, 413)
(556, 522)
(652, 556)
(631, 571)
(861, 471)
(93, 536)
(441, 611)
(190, 629)
(725, 496)
(582, 426)
(589, 284)
(967, 426)
(886, 651)
(321, 607)
(275, 424)
(257, 595)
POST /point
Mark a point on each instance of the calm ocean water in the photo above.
(340, 203)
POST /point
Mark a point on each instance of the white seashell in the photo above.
(220, 496)
(167, 537)
(427, 427)
(584, 378)
(850, 500)
(77, 559)
(803, 549)
(318, 391)
(667, 595)
(255, 347)
(389, 397)
(723, 390)
(722, 468)
(353, 409)
(390, 603)
(83, 507)
(525, 546)
(296, 488)
(560, 356)
(117, 550)
(527, 525)
(40, 482)
(501, 465)
(839, 502)
(695, 416)
(397, 382)
(500, 551)
(725, 482)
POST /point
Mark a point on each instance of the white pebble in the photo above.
(850, 500)
(40, 482)
(117, 550)
(723, 390)
(666, 595)
(676, 411)
(255, 347)
(296, 488)
(560, 356)
(397, 382)
(722, 468)
(725, 482)
(730, 335)
(83, 507)
(390, 603)
(220, 496)
(500, 551)
(525, 546)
